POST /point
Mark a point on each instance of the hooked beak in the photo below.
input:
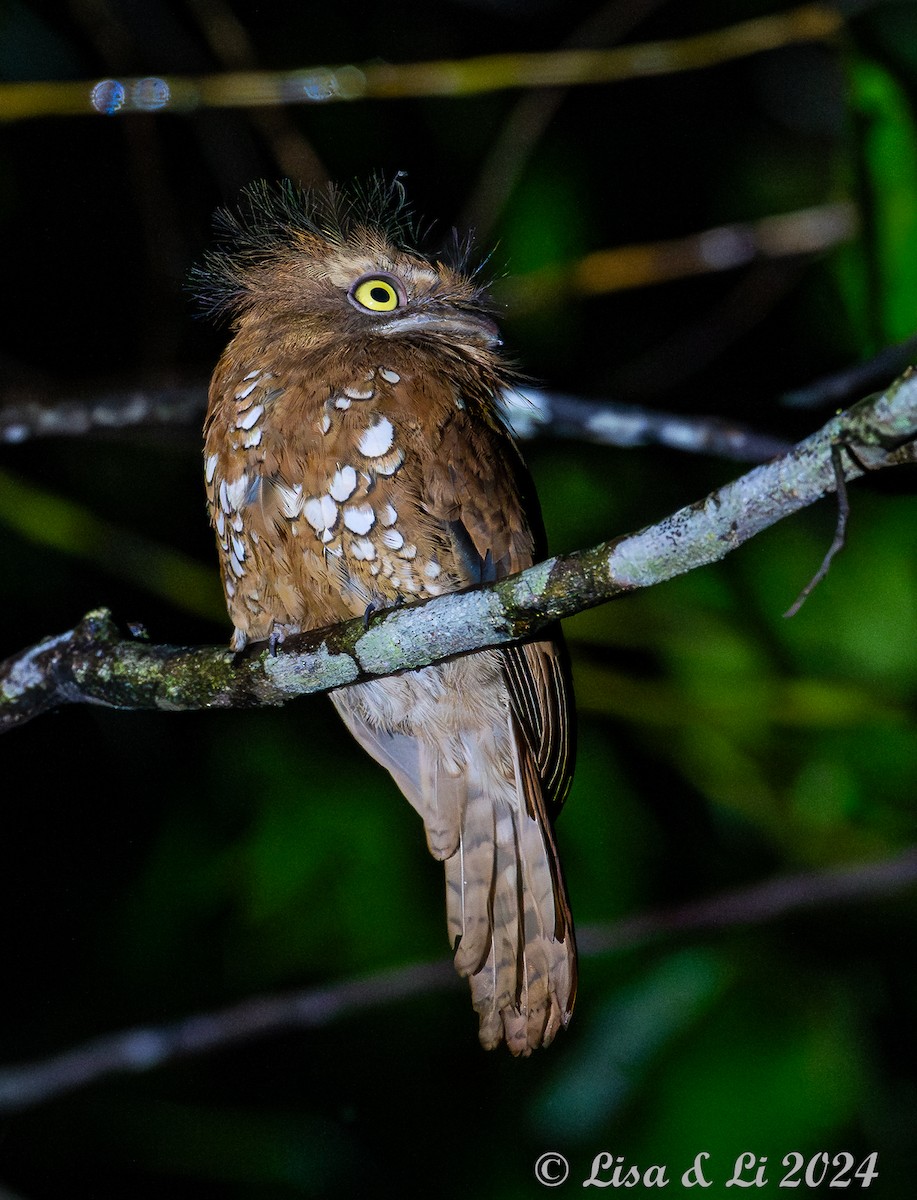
(458, 323)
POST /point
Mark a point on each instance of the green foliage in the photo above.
(878, 275)
(627, 1035)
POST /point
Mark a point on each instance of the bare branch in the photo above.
(533, 413)
(143, 1049)
(92, 664)
(110, 411)
(530, 411)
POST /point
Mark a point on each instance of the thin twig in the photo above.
(838, 387)
(840, 533)
(145, 1048)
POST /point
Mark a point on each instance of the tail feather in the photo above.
(508, 917)
(471, 774)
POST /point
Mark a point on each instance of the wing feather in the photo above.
(541, 694)
(492, 519)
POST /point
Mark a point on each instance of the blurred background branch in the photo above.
(532, 412)
(151, 1048)
(388, 81)
(784, 236)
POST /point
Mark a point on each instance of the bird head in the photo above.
(320, 270)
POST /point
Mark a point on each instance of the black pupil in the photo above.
(380, 294)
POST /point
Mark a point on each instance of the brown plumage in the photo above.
(355, 458)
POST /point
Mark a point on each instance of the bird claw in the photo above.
(375, 606)
(277, 637)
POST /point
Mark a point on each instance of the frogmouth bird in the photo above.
(356, 459)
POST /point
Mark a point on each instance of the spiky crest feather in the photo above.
(273, 219)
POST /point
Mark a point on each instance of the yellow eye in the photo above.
(376, 294)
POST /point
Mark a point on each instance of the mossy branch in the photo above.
(94, 664)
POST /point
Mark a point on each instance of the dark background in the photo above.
(155, 865)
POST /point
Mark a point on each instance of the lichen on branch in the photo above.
(94, 663)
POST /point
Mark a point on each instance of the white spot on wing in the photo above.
(432, 570)
(389, 376)
(342, 402)
(359, 518)
(243, 392)
(211, 466)
(388, 516)
(321, 512)
(376, 440)
(247, 421)
(363, 549)
(393, 539)
(343, 483)
(253, 439)
(359, 393)
(236, 491)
